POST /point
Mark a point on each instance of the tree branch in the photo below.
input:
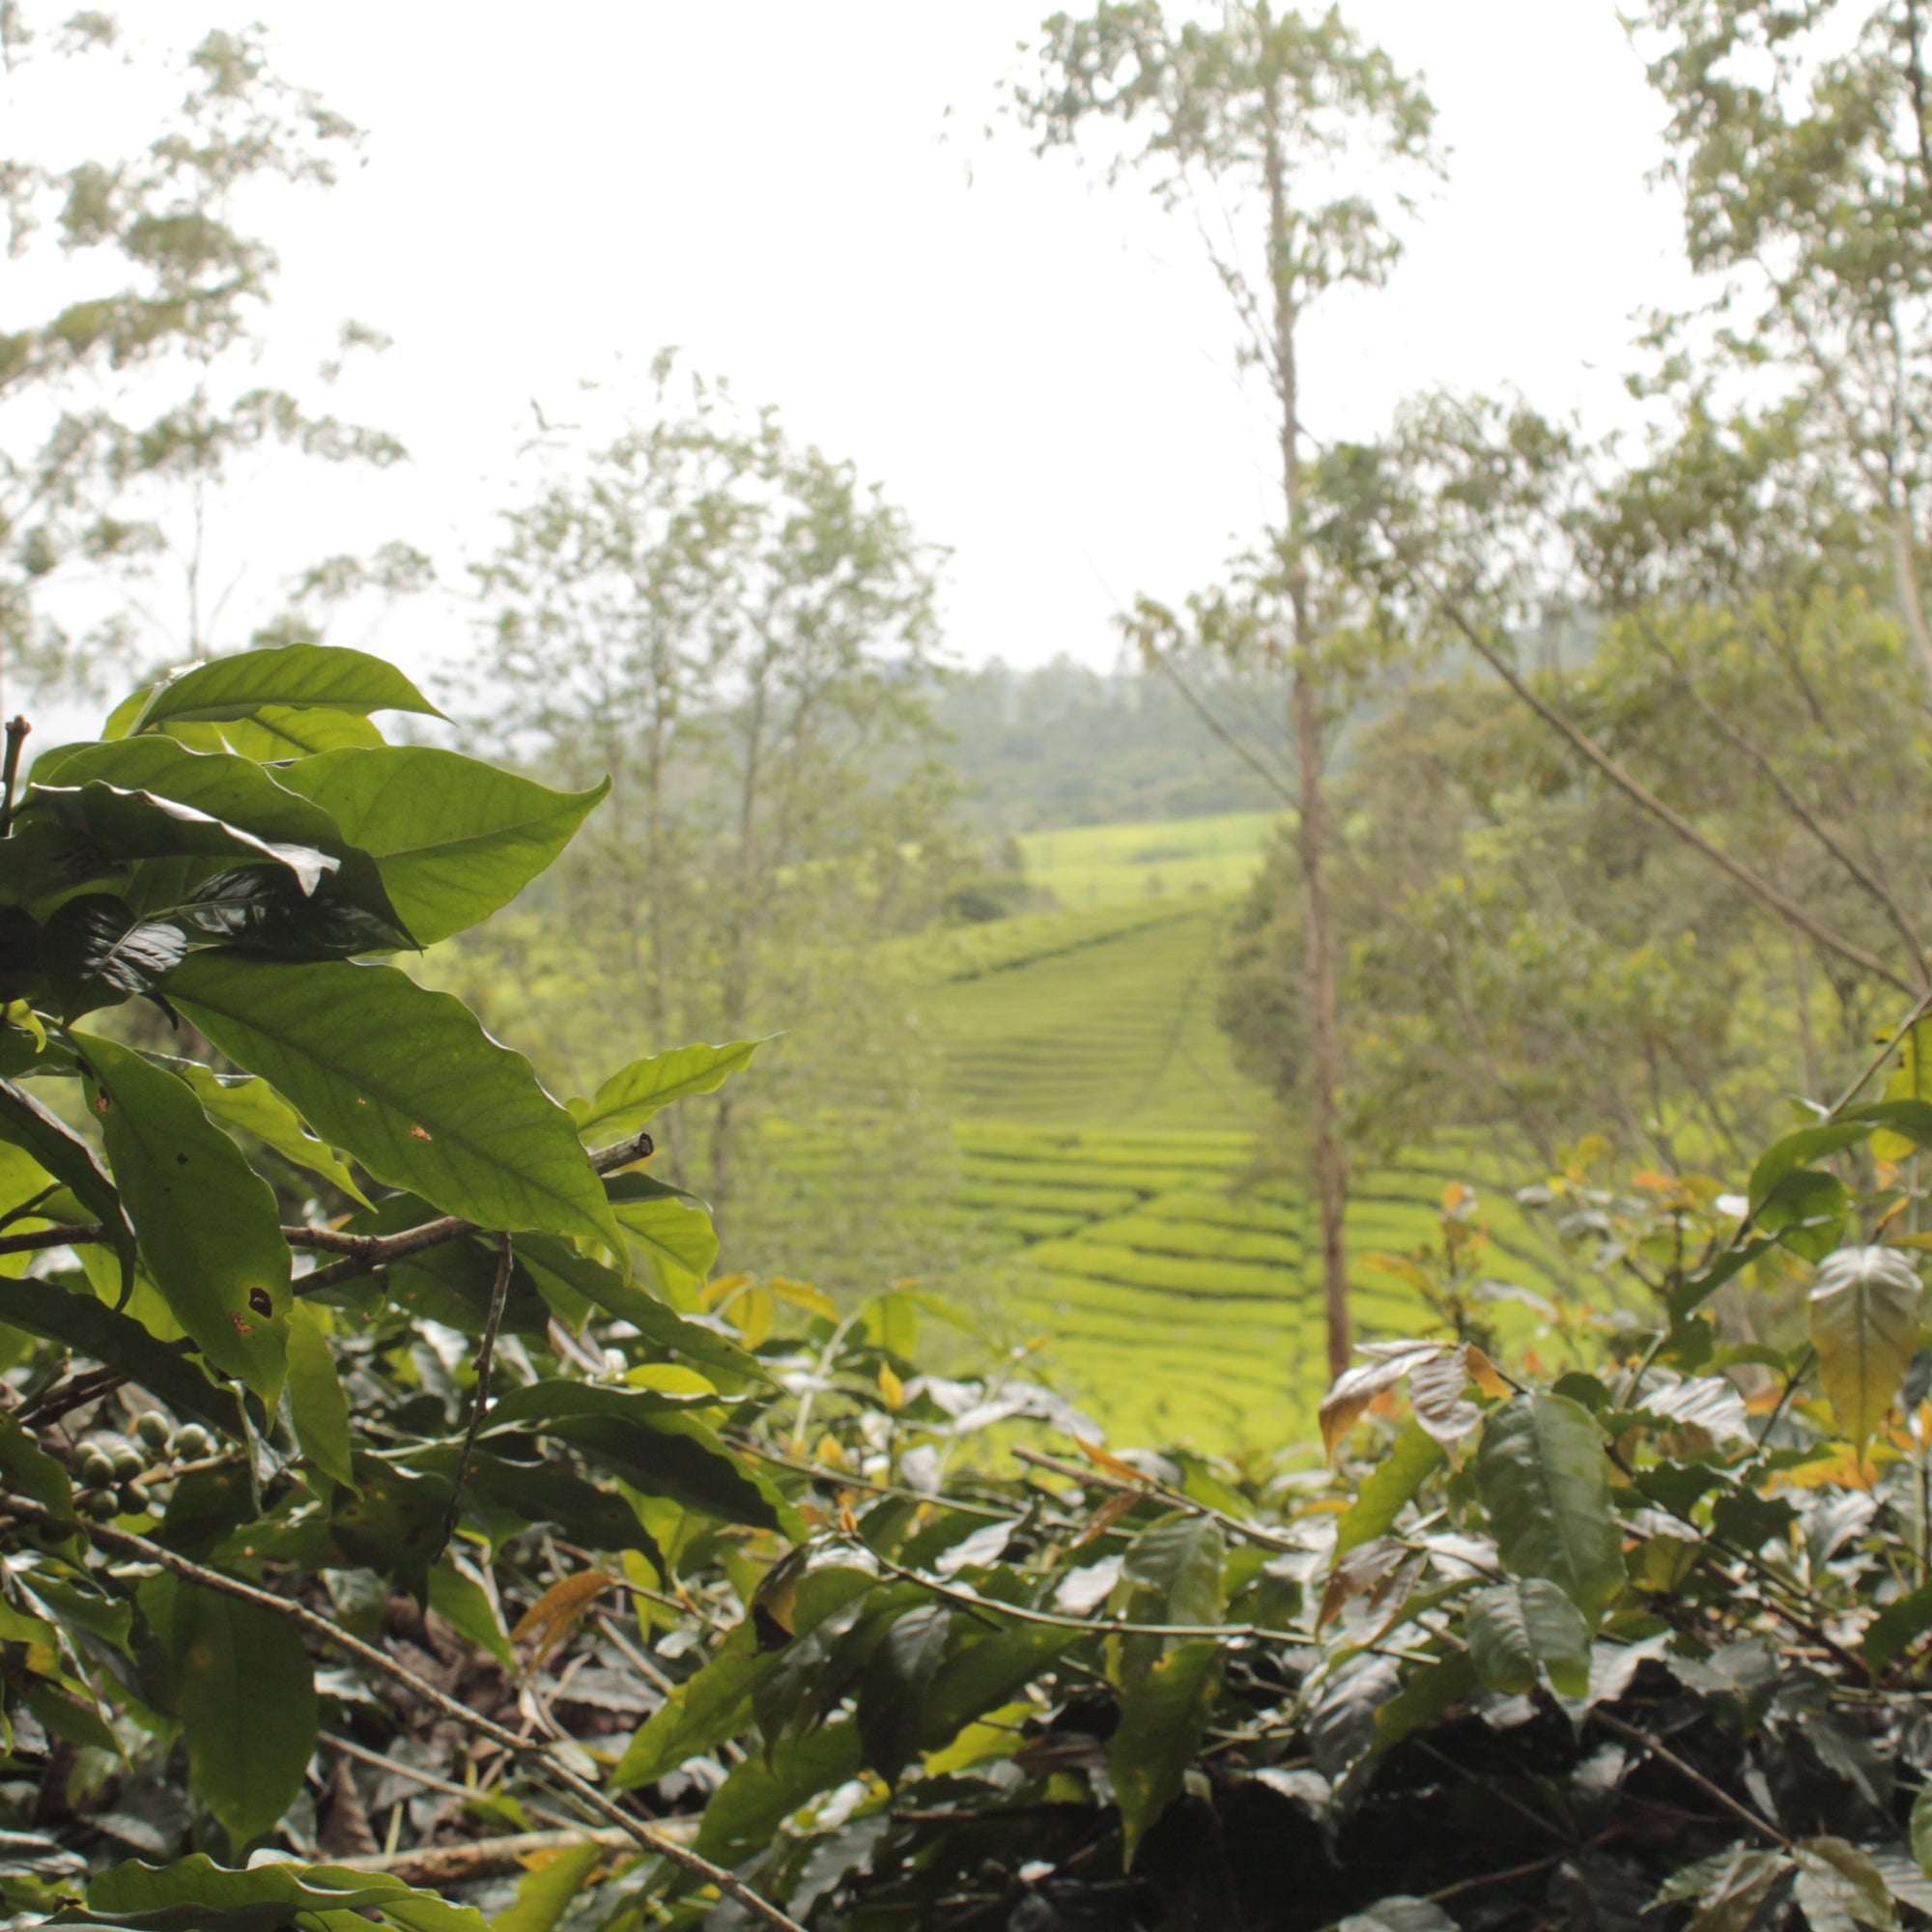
(1632, 787)
(1796, 806)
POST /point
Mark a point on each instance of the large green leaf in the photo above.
(249, 1105)
(1177, 1565)
(317, 1401)
(39, 1131)
(408, 1082)
(246, 1695)
(631, 1096)
(209, 1228)
(698, 1716)
(456, 839)
(1413, 1458)
(672, 1232)
(674, 1456)
(238, 791)
(126, 825)
(547, 1891)
(1545, 1481)
(744, 1812)
(892, 1696)
(1163, 1717)
(195, 1894)
(560, 1271)
(1864, 1326)
(297, 677)
(1513, 1628)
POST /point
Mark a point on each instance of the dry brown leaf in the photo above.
(1353, 1391)
(1113, 1464)
(1435, 1392)
(1359, 1572)
(552, 1618)
(1106, 1516)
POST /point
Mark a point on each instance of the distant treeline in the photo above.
(1064, 745)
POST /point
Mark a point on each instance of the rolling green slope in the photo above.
(1107, 1133)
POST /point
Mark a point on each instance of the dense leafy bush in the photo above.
(495, 1559)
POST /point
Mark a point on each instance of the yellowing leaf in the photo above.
(722, 1288)
(1864, 1326)
(1484, 1373)
(1400, 1265)
(1113, 1464)
(802, 1294)
(552, 1618)
(891, 1387)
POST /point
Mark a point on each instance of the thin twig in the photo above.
(1715, 1792)
(644, 1836)
(479, 1406)
(1634, 787)
(430, 1781)
(1148, 1486)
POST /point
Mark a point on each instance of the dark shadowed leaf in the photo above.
(181, 1177)
(97, 952)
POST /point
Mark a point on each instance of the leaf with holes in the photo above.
(208, 1229)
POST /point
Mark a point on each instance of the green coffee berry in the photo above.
(96, 1470)
(152, 1428)
(193, 1442)
(133, 1500)
(127, 1464)
(100, 1504)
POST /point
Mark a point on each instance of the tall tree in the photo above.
(129, 391)
(741, 635)
(1275, 111)
(1802, 138)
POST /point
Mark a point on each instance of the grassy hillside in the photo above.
(1107, 1133)
(1107, 864)
(1172, 1286)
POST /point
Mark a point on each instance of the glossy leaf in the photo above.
(97, 952)
(246, 1695)
(79, 1321)
(297, 677)
(1513, 1627)
(673, 1234)
(404, 1079)
(456, 839)
(643, 1089)
(128, 825)
(1864, 1326)
(209, 1228)
(893, 1697)
(1545, 1483)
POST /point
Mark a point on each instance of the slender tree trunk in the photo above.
(1905, 572)
(1331, 1159)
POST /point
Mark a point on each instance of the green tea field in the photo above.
(1107, 1132)
(1088, 866)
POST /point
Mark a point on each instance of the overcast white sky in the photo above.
(1038, 369)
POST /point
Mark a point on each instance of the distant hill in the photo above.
(1064, 746)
